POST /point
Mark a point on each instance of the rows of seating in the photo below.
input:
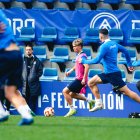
(50, 34)
(51, 74)
(71, 4)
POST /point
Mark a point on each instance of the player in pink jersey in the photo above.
(74, 88)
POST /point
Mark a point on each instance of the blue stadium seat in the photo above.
(26, 34)
(68, 1)
(24, 0)
(49, 34)
(136, 76)
(134, 36)
(49, 74)
(92, 36)
(70, 34)
(132, 54)
(116, 35)
(60, 54)
(17, 5)
(132, 1)
(93, 72)
(6, 0)
(124, 6)
(90, 1)
(104, 6)
(112, 1)
(39, 5)
(47, 1)
(22, 50)
(87, 51)
(71, 77)
(40, 52)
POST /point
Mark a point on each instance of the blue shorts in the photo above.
(114, 78)
(11, 63)
(75, 86)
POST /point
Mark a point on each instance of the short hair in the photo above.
(29, 45)
(77, 42)
(103, 31)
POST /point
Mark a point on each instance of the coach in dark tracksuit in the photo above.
(32, 70)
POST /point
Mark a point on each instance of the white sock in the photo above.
(98, 101)
(2, 111)
(88, 100)
(24, 112)
(27, 107)
(71, 107)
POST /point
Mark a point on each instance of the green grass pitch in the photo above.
(74, 128)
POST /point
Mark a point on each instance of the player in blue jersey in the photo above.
(107, 55)
(11, 73)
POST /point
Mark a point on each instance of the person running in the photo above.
(74, 88)
(108, 56)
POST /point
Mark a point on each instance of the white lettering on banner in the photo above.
(18, 23)
(134, 23)
(107, 18)
(111, 101)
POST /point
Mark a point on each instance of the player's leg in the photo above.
(66, 93)
(133, 95)
(92, 83)
(82, 97)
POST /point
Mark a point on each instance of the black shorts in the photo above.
(11, 63)
(75, 86)
(114, 78)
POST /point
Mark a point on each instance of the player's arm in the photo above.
(2, 27)
(98, 58)
(85, 73)
(70, 71)
(128, 59)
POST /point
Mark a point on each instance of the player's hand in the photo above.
(131, 69)
(2, 27)
(83, 82)
(67, 73)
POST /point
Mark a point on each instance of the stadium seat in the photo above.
(6, 0)
(89, 1)
(103, 6)
(27, 34)
(124, 6)
(49, 34)
(112, 1)
(68, 1)
(19, 5)
(71, 77)
(70, 34)
(92, 36)
(134, 36)
(93, 72)
(47, 1)
(24, 0)
(39, 5)
(116, 35)
(87, 51)
(49, 74)
(136, 76)
(61, 6)
(22, 50)
(132, 54)
(60, 56)
(40, 52)
(132, 1)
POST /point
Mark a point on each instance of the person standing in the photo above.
(32, 70)
(74, 88)
(108, 56)
(11, 73)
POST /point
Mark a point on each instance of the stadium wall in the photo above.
(124, 19)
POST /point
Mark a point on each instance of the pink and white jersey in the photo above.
(79, 68)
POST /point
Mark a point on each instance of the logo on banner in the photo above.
(105, 20)
(45, 98)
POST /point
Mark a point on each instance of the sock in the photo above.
(71, 106)
(98, 101)
(28, 108)
(2, 111)
(24, 112)
(88, 100)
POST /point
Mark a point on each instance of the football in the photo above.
(48, 112)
